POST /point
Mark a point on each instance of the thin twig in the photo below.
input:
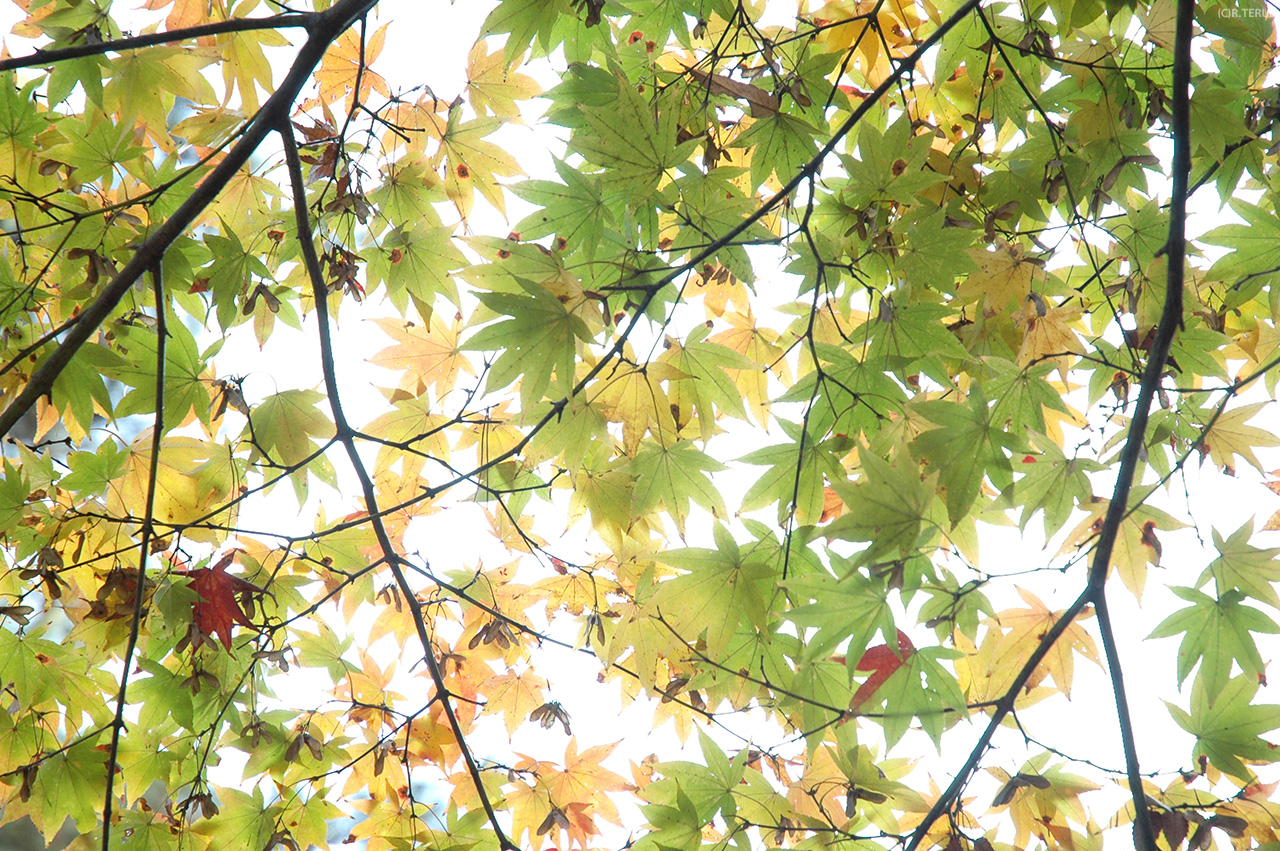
(148, 529)
(345, 435)
(42, 57)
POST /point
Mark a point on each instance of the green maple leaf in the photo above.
(624, 138)
(1050, 483)
(921, 688)
(524, 21)
(890, 165)
(184, 389)
(856, 396)
(1022, 395)
(536, 338)
(853, 607)
(722, 587)
(932, 254)
(1217, 632)
(782, 142)
(710, 206)
(573, 211)
(70, 784)
(909, 338)
(888, 506)
(286, 428)
(709, 387)
(674, 475)
(782, 484)
(967, 446)
(1227, 726)
(20, 123)
(1252, 244)
(97, 149)
(1250, 569)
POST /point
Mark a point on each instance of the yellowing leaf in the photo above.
(347, 62)
(495, 88)
(514, 695)
(427, 357)
(1003, 280)
(1228, 437)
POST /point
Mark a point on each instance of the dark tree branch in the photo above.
(323, 29)
(53, 55)
(346, 437)
(1170, 320)
(148, 530)
(1003, 707)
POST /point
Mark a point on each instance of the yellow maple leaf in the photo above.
(347, 63)
(761, 346)
(1137, 542)
(245, 65)
(635, 397)
(1047, 335)
(1004, 279)
(191, 477)
(720, 288)
(585, 780)
(1025, 629)
(514, 695)
(425, 355)
(495, 88)
(1229, 437)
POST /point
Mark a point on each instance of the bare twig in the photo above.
(346, 437)
(42, 57)
(148, 530)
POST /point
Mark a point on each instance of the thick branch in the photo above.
(325, 27)
(1170, 320)
(1094, 592)
(1003, 707)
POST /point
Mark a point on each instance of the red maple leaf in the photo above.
(216, 607)
(881, 660)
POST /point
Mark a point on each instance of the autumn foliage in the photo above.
(707, 424)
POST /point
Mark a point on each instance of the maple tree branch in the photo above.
(42, 56)
(1002, 708)
(1130, 457)
(323, 29)
(346, 436)
(148, 527)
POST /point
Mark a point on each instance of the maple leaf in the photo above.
(1004, 279)
(347, 62)
(495, 86)
(1229, 436)
(514, 695)
(881, 660)
(216, 607)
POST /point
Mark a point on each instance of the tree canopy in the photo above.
(735, 396)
